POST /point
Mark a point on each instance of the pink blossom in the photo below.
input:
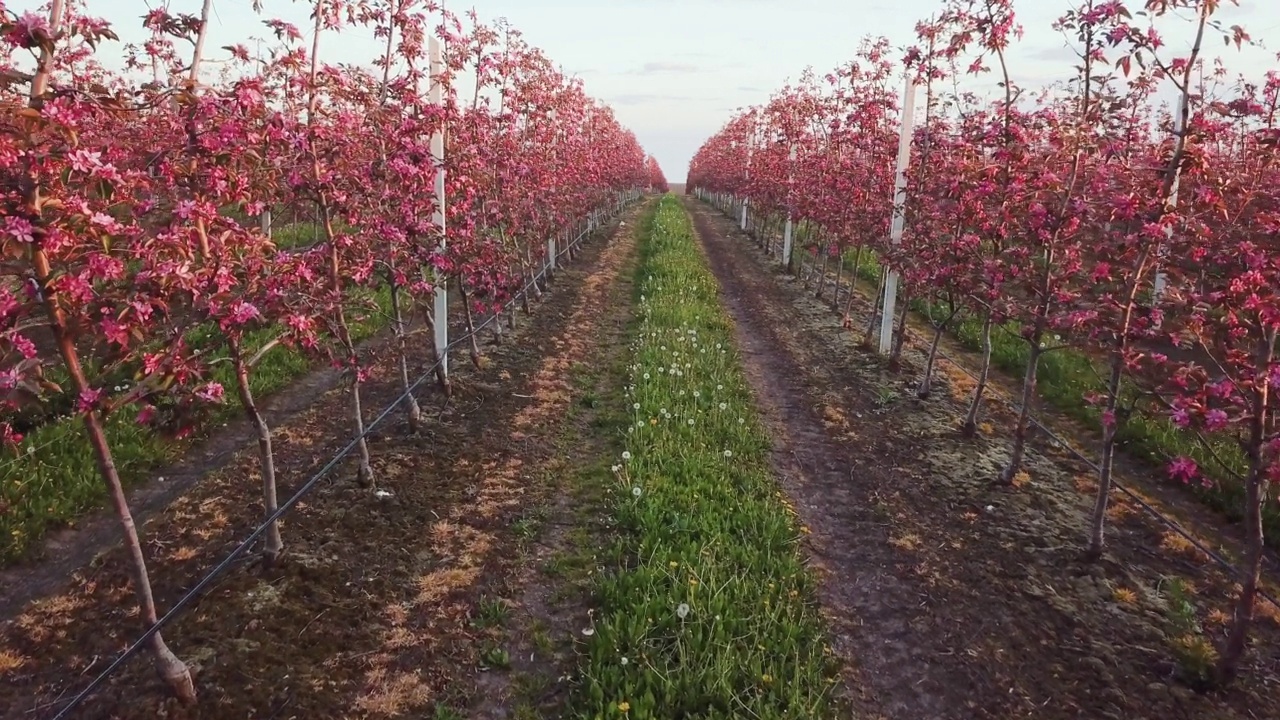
(1184, 469)
(210, 392)
(88, 400)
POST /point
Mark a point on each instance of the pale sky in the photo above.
(676, 70)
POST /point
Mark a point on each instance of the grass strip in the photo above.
(705, 609)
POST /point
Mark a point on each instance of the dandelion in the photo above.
(690, 422)
(697, 394)
(636, 491)
(616, 468)
(646, 376)
(624, 660)
(635, 406)
(682, 610)
(724, 406)
(626, 455)
(728, 453)
(588, 631)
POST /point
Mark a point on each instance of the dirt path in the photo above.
(548, 598)
(383, 605)
(949, 598)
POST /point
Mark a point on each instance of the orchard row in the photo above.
(1081, 218)
(136, 238)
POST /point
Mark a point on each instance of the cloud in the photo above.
(1059, 53)
(644, 98)
(655, 68)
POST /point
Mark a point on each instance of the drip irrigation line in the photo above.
(1117, 485)
(217, 571)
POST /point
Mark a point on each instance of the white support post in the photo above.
(899, 212)
(551, 253)
(436, 56)
(786, 232)
(742, 222)
(1179, 124)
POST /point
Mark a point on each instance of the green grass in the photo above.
(1066, 377)
(705, 608)
(53, 480)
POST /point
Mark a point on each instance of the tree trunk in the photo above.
(822, 274)
(364, 473)
(442, 375)
(857, 265)
(172, 670)
(895, 355)
(1098, 521)
(875, 313)
(471, 326)
(1251, 569)
(835, 292)
(398, 325)
(272, 544)
(1255, 494)
(926, 380)
(970, 426)
(1024, 413)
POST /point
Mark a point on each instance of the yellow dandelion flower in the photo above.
(624, 706)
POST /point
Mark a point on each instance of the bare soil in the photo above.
(949, 597)
(375, 608)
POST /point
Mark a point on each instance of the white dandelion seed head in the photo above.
(626, 454)
(637, 491)
(682, 610)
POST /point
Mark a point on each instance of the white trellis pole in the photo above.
(1179, 124)
(436, 56)
(551, 241)
(899, 211)
(786, 231)
(743, 221)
